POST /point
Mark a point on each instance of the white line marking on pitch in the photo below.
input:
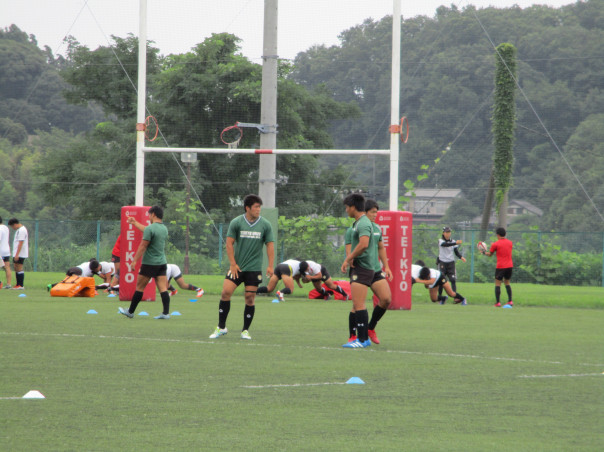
(560, 376)
(295, 385)
(248, 344)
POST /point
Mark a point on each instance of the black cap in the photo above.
(446, 229)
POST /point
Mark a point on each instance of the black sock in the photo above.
(192, 287)
(378, 313)
(459, 296)
(352, 324)
(20, 278)
(286, 291)
(170, 288)
(362, 318)
(223, 312)
(454, 285)
(497, 293)
(136, 298)
(440, 291)
(165, 301)
(341, 291)
(508, 288)
(262, 289)
(248, 316)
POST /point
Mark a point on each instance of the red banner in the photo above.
(397, 235)
(130, 239)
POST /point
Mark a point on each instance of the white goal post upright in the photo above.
(395, 129)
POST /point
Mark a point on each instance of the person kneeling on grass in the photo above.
(433, 280)
(288, 272)
(173, 272)
(85, 269)
(317, 274)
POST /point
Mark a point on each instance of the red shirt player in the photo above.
(503, 270)
(115, 258)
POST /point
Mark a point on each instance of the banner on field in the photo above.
(397, 235)
(131, 238)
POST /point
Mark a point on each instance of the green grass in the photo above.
(444, 378)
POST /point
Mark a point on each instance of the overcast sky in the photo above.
(177, 25)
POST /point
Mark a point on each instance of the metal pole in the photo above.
(140, 109)
(395, 102)
(187, 202)
(268, 109)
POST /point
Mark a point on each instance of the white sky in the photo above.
(178, 25)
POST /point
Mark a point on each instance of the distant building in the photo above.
(516, 207)
(430, 204)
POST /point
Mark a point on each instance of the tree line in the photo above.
(69, 148)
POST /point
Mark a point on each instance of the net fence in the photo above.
(560, 258)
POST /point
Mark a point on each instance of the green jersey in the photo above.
(157, 235)
(377, 234)
(369, 258)
(348, 237)
(249, 241)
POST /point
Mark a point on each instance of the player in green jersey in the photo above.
(246, 237)
(362, 261)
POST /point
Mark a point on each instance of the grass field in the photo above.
(444, 377)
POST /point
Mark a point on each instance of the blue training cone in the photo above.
(111, 295)
(22, 295)
(92, 311)
(192, 300)
(507, 306)
(275, 300)
(176, 313)
(143, 313)
(355, 381)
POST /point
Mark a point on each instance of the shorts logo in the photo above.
(259, 277)
(355, 277)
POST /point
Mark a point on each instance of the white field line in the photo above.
(561, 376)
(11, 398)
(294, 385)
(256, 344)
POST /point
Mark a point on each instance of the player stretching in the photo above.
(246, 237)
(503, 270)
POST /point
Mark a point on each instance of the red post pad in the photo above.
(131, 238)
(397, 235)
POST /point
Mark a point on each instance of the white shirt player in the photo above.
(294, 265)
(21, 236)
(106, 268)
(433, 274)
(86, 272)
(313, 268)
(172, 271)
(4, 247)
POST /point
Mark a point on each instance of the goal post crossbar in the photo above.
(270, 151)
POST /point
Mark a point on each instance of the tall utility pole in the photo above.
(268, 110)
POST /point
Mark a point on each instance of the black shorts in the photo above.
(247, 278)
(6, 258)
(115, 258)
(378, 277)
(324, 274)
(153, 271)
(503, 273)
(283, 269)
(74, 271)
(441, 281)
(447, 269)
(21, 260)
(362, 276)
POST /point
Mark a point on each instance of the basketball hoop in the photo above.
(404, 129)
(151, 121)
(231, 136)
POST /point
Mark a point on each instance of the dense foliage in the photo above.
(336, 96)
